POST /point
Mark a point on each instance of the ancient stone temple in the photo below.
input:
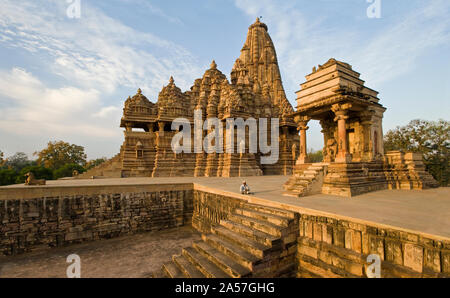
(255, 91)
(351, 118)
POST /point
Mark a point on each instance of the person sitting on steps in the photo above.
(245, 189)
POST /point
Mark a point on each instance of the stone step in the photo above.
(255, 248)
(172, 271)
(228, 264)
(316, 168)
(290, 193)
(187, 267)
(257, 224)
(273, 219)
(299, 182)
(310, 172)
(253, 234)
(159, 274)
(208, 268)
(296, 192)
(271, 210)
(237, 253)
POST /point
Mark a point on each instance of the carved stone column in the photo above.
(302, 126)
(367, 122)
(161, 128)
(326, 127)
(341, 112)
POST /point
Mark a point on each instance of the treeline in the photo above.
(57, 160)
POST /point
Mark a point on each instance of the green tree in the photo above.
(57, 154)
(38, 171)
(18, 161)
(2, 161)
(316, 156)
(95, 162)
(7, 176)
(431, 138)
(67, 170)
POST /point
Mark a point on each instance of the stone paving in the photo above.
(127, 257)
(426, 211)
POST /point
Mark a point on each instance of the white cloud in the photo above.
(81, 64)
(154, 10)
(107, 112)
(95, 51)
(34, 109)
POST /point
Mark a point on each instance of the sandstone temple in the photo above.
(349, 112)
(255, 90)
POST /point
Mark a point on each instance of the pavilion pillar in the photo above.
(128, 127)
(367, 122)
(341, 112)
(302, 126)
(326, 136)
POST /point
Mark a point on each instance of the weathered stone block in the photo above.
(317, 234)
(339, 237)
(413, 257)
(432, 260)
(445, 261)
(393, 252)
(308, 251)
(376, 246)
(327, 234)
(309, 230)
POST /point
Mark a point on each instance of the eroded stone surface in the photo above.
(130, 256)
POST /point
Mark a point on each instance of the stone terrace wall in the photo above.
(329, 247)
(55, 216)
(210, 208)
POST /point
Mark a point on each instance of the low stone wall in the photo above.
(328, 247)
(210, 208)
(55, 216)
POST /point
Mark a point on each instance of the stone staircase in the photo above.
(254, 241)
(308, 182)
(112, 168)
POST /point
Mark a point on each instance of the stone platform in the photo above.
(424, 211)
(264, 234)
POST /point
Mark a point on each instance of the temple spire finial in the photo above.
(171, 80)
(213, 65)
(139, 91)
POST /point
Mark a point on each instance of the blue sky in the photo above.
(66, 79)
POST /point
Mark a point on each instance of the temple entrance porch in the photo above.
(351, 119)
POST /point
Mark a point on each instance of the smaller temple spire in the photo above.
(139, 91)
(213, 65)
(171, 80)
